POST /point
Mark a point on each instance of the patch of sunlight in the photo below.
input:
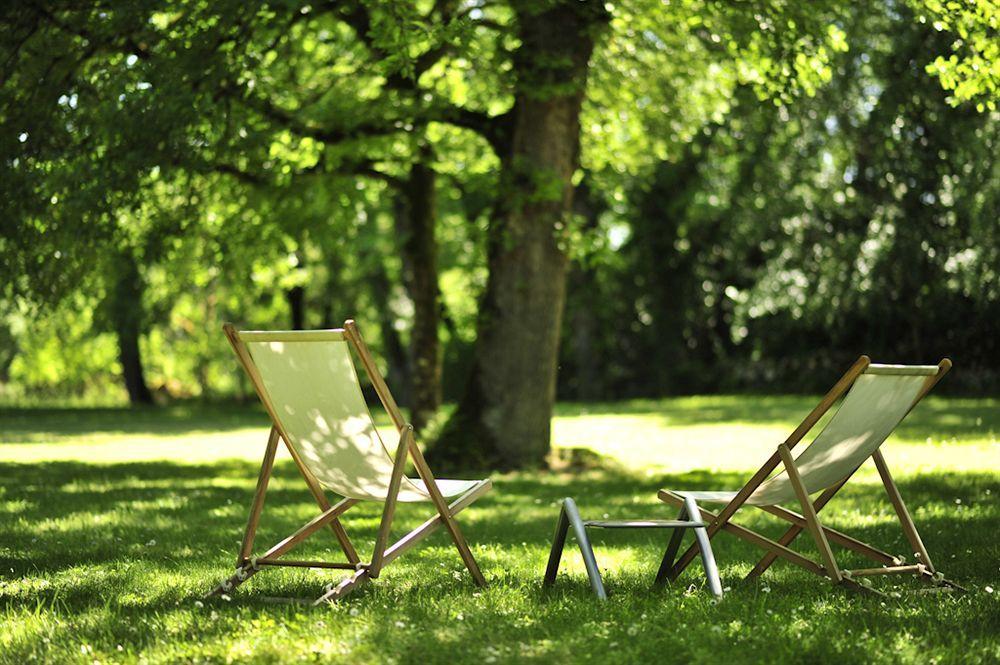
(189, 447)
(674, 435)
(649, 442)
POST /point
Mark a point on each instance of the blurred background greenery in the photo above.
(759, 194)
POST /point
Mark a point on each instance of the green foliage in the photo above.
(972, 70)
(773, 240)
(238, 153)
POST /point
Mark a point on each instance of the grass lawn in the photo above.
(113, 523)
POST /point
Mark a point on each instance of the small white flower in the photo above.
(151, 543)
(225, 597)
(400, 624)
(198, 603)
(958, 501)
(633, 630)
(989, 589)
(460, 617)
(354, 612)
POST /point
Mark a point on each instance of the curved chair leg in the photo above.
(569, 515)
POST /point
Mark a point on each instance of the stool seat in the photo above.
(642, 524)
(689, 518)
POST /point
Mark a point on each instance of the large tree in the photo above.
(104, 101)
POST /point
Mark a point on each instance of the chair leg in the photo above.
(675, 544)
(909, 528)
(707, 557)
(257, 506)
(402, 545)
(445, 513)
(812, 520)
(794, 531)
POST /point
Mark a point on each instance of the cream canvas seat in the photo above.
(308, 384)
(877, 399)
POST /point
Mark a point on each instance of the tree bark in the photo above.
(588, 376)
(296, 297)
(126, 314)
(415, 217)
(503, 419)
(397, 365)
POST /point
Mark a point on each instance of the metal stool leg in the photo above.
(671, 553)
(569, 515)
(707, 557)
(558, 542)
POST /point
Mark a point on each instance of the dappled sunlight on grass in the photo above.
(109, 560)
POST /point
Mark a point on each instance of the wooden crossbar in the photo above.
(917, 568)
(306, 564)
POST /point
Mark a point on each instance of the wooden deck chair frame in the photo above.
(383, 553)
(809, 520)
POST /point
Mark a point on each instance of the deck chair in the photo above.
(309, 387)
(877, 398)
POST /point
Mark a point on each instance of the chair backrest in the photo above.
(878, 400)
(309, 384)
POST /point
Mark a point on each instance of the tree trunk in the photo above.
(296, 297)
(415, 217)
(397, 365)
(588, 380)
(126, 314)
(503, 419)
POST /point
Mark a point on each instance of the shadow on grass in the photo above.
(188, 520)
(29, 425)
(940, 417)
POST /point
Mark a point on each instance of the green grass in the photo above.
(114, 522)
